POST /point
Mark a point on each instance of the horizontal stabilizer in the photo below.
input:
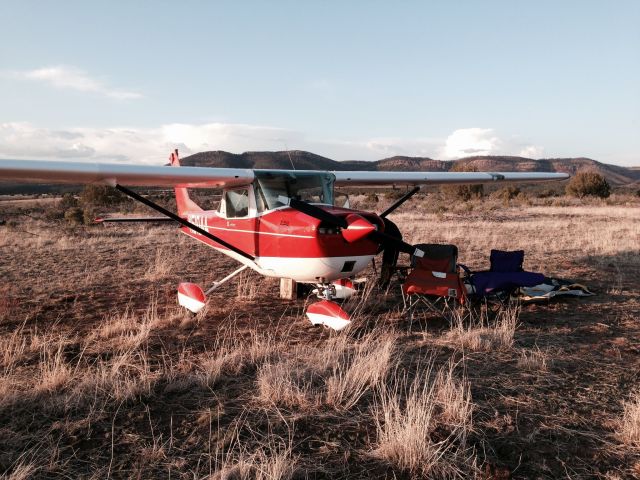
(132, 219)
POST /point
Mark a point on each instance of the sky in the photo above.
(129, 81)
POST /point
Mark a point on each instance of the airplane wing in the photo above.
(439, 178)
(42, 171)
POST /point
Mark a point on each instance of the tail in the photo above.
(183, 201)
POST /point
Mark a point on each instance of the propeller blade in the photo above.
(400, 245)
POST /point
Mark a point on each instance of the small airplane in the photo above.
(280, 223)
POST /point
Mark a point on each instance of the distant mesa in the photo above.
(302, 160)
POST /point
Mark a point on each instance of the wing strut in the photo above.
(181, 221)
(400, 201)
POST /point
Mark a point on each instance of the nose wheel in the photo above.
(326, 311)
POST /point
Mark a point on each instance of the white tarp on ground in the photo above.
(553, 287)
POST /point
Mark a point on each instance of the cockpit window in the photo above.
(315, 187)
(237, 202)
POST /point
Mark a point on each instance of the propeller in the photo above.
(353, 227)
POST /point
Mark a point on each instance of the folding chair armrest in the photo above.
(466, 269)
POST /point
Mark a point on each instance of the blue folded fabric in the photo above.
(486, 282)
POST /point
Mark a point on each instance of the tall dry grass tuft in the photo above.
(422, 426)
(160, 267)
(480, 334)
(13, 346)
(366, 369)
(24, 470)
(337, 373)
(247, 287)
(271, 458)
(629, 425)
(126, 331)
(53, 372)
(231, 354)
(533, 360)
(287, 383)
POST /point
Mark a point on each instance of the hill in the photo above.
(302, 160)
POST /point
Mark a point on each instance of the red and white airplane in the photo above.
(280, 223)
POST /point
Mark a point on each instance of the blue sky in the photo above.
(350, 80)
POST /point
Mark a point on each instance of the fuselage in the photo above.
(287, 243)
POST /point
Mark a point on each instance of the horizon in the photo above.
(362, 81)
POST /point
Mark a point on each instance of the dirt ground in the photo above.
(75, 301)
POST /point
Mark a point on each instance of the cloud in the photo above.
(147, 145)
(151, 145)
(73, 78)
(467, 142)
(532, 151)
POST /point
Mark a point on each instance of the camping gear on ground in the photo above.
(505, 275)
(553, 287)
(434, 280)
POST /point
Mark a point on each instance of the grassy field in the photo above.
(103, 376)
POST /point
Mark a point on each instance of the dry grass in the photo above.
(271, 459)
(629, 426)
(161, 266)
(338, 373)
(366, 369)
(533, 360)
(481, 334)
(423, 425)
(54, 373)
(126, 331)
(100, 378)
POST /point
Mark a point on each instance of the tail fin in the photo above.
(183, 201)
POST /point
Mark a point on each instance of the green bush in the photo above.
(584, 184)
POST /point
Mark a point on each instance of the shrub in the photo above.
(100, 196)
(585, 184)
(463, 192)
(68, 201)
(507, 193)
(371, 198)
(74, 215)
(88, 216)
(547, 193)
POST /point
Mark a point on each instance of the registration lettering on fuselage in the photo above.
(199, 221)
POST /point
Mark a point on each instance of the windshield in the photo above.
(312, 187)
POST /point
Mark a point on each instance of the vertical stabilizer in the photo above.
(183, 201)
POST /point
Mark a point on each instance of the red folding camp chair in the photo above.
(434, 281)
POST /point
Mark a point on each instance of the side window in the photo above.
(237, 203)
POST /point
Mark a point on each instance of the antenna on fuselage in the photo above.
(289, 154)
